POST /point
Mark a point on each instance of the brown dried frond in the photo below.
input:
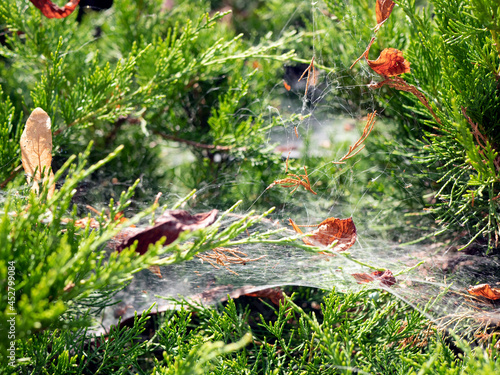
(312, 76)
(298, 180)
(400, 84)
(224, 257)
(365, 54)
(358, 146)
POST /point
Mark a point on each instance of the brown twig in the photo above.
(311, 72)
(299, 180)
(481, 139)
(400, 84)
(355, 149)
(11, 176)
(365, 54)
(197, 144)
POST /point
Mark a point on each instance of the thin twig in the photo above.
(197, 144)
(480, 138)
(311, 72)
(355, 149)
(400, 84)
(365, 54)
(11, 176)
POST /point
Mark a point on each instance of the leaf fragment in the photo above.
(51, 10)
(36, 150)
(485, 290)
(384, 277)
(332, 229)
(390, 63)
(383, 9)
(168, 225)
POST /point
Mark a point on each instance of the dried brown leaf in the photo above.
(36, 150)
(51, 10)
(485, 290)
(331, 229)
(384, 277)
(276, 295)
(383, 9)
(168, 225)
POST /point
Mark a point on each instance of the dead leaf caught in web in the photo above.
(294, 181)
(36, 150)
(225, 257)
(383, 10)
(331, 229)
(168, 225)
(485, 290)
(51, 10)
(390, 63)
(384, 277)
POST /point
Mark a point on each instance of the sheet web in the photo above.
(429, 277)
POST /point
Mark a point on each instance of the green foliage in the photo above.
(459, 73)
(365, 332)
(176, 97)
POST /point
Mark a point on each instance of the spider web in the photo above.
(432, 277)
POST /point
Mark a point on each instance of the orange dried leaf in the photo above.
(330, 230)
(485, 290)
(383, 10)
(390, 63)
(51, 10)
(384, 277)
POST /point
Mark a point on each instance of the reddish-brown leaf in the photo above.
(330, 230)
(51, 10)
(385, 277)
(390, 63)
(168, 225)
(383, 10)
(485, 290)
(274, 294)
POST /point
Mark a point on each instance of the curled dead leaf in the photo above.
(51, 10)
(384, 277)
(168, 225)
(329, 230)
(485, 290)
(36, 150)
(390, 63)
